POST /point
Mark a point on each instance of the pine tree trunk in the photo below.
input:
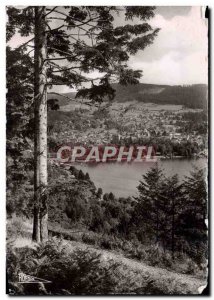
(173, 228)
(40, 224)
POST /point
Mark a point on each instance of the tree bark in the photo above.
(40, 224)
(173, 228)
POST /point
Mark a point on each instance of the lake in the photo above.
(123, 178)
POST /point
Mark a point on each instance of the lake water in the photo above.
(123, 178)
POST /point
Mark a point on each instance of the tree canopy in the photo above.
(81, 40)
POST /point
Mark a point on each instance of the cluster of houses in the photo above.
(129, 125)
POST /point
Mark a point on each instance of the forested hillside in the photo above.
(155, 227)
(191, 96)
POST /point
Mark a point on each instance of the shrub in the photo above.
(139, 253)
(18, 227)
(80, 272)
(89, 238)
(84, 272)
(106, 242)
(191, 267)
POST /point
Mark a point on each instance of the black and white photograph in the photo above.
(107, 150)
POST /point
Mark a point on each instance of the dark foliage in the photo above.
(167, 213)
(82, 272)
(192, 96)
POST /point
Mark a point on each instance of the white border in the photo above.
(112, 2)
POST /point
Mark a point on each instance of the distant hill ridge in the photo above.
(192, 96)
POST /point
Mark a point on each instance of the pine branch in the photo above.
(74, 19)
(67, 69)
(72, 99)
(83, 79)
(55, 18)
(62, 68)
(50, 10)
(74, 57)
(23, 45)
(55, 29)
(30, 51)
(61, 51)
(58, 58)
(92, 79)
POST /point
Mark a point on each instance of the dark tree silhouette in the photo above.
(68, 43)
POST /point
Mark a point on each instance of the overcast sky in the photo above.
(179, 52)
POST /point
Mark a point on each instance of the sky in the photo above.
(179, 54)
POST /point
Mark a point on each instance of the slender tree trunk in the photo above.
(157, 227)
(173, 228)
(40, 224)
(157, 218)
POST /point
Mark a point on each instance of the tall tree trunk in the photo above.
(40, 224)
(173, 228)
(157, 216)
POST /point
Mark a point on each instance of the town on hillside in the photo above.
(174, 129)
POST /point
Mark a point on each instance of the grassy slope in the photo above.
(179, 283)
(168, 282)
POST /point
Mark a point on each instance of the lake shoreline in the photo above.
(123, 178)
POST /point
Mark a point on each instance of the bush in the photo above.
(84, 272)
(89, 238)
(106, 242)
(138, 253)
(77, 272)
(191, 267)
